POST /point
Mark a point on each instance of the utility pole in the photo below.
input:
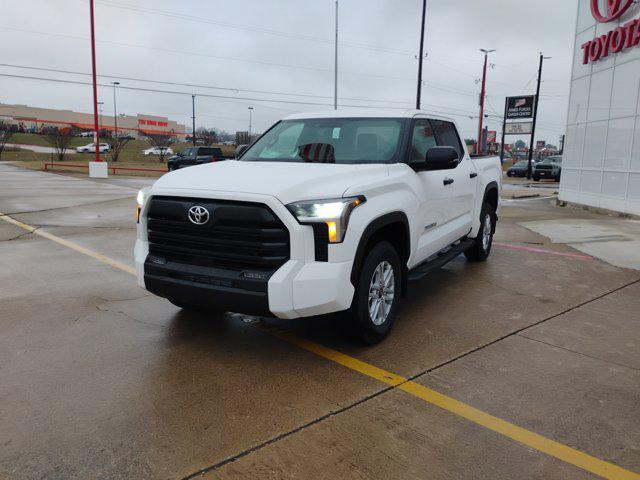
(250, 112)
(419, 93)
(504, 128)
(193, 119)
(335, 66)
(535, 118)
(482, 94)
(96, 134)
(115, 110)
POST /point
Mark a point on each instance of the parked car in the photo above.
(195, 156)
(86, 134)
(324, 213)
(158, 151)
(518, 169)
(91, 148)
(550, 167)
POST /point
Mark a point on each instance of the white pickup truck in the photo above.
(326, 212)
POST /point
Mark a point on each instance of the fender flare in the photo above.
(493, 185)
(374, 226)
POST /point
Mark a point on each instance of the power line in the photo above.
(433, 108)
(279, 33)
(206, 55)
(165, 82)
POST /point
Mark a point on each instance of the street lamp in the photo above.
(482, 93)
(250, 117)
(115, 110)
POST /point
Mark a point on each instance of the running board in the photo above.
(439, 260)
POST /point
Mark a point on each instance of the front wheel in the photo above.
(375, 301)
(481, 247)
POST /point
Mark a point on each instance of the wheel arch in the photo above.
(392, 227)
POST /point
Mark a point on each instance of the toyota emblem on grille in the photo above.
(198, 215)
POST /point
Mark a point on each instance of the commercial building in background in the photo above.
(601, 164)
(33, 119)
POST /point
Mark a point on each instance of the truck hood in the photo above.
(288, 182)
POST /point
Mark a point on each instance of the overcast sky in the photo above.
(286, 47)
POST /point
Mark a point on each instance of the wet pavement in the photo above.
(99, 379)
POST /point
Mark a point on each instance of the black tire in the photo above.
(369, 330)
(508, 174)
(170, 167)
(536, 179)
(481, 249)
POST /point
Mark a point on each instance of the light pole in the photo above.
(482, 93)
(535, 116)
(115, 110)
(193, 119)
(96, 134)
(250, 112)
(335, 66)
(419, 94)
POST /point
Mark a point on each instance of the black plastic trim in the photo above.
(226, 290)
(369, 232)
(320, 241)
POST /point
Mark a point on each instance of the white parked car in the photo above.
(326, 212)
(158, 151)
(91, 148)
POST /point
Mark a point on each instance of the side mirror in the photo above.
(440, 158)
(240, 150)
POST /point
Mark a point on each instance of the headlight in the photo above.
(334, 213)
(140, 198)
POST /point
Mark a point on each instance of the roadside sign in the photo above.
(540, 144)
(520, 128)
(520, 107)
(491, 136)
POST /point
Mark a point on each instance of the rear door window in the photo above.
(447, 135)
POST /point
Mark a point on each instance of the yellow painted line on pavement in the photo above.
(526, 437)
(68, 244)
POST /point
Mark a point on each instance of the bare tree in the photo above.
(117, 143)
(59, 139)
(160, 141)
(207, 135)
(6, 132)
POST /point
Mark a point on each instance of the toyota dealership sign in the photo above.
(624, 36)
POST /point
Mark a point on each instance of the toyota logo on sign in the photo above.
(614, 9)
(198, 215)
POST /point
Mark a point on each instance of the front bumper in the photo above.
(302, 287)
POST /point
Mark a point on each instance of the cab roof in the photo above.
(367, 113)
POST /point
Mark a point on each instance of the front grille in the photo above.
(237, 236)
(544, 167)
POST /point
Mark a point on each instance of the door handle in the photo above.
(473, 175)
(448, 181)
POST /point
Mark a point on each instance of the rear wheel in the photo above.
(481, 248)
(376, 297)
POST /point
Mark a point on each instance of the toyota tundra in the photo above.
(325, 212)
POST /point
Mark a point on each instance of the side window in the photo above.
(187, 152)
(447, 135)
(422, 139)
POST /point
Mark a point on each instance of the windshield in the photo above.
(552, 160)
(522, 164)
(329, 140)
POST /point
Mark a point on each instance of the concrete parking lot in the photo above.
(526, 366)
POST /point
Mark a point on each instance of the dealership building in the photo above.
(601, 164)
(33, 119)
